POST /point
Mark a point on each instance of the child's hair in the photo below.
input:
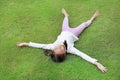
(56, 58)
(47, 52)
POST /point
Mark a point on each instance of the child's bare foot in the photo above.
(64, 12)
(19, 44)
(95, 15)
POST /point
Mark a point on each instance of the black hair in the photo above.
(65, 43)
(56, 58)
(48, 52)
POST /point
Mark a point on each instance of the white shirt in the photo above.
(70, 38)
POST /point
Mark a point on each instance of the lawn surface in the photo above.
(40, 21)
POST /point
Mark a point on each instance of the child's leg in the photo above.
(65, 25)
(76, 31)
(81, 27)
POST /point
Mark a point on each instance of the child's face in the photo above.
(59, 49)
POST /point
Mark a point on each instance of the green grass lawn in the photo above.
(40, 21)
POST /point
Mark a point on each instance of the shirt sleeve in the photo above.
(82, 55)
(43, 46)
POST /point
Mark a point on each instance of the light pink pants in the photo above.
(76, 31)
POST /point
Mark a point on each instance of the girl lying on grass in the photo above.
(65, 42)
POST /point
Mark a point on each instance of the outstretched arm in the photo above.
(88, 58)
(35, 45)
(100, 66)
(22, 44)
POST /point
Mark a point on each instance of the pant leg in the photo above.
(65, 25)
(76, 31)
